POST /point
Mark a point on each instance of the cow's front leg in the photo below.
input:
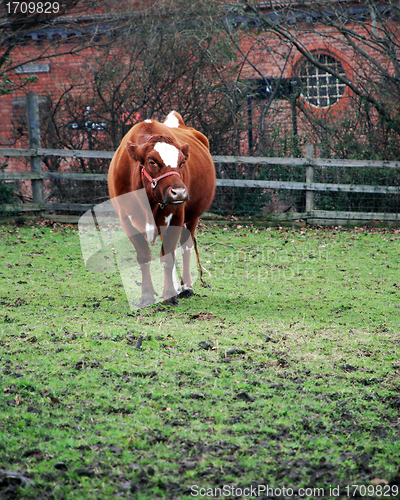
(170, 237)
(148, 292)
(170, 292)
(143, 257)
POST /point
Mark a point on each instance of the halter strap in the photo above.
(154, 181)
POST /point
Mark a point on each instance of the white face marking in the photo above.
(168, 219)
(147, 121)
(169, 154)
(172, 120)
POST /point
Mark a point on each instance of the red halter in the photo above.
(154, 182)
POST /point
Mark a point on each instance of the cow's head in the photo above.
(158, 156)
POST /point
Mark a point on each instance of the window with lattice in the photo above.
(319, 87)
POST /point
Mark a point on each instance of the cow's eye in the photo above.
(152, 163)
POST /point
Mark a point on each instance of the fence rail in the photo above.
(252, 160)
(311, 215)
(309, 164)
(66, 153)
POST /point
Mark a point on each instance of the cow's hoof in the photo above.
(146, 300)
(172, 301)
(185, 292)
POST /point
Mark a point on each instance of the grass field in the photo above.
(285, 374)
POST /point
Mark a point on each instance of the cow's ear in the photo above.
(185, 151)
(134, 151)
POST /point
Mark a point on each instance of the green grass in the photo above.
(295, 384)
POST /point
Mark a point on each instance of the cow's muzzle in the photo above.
(175, 195)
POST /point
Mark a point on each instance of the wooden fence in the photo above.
(39, 208)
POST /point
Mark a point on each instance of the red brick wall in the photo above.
(61, 70)
(267, 52)
(273, 58)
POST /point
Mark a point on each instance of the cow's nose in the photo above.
(177, 194)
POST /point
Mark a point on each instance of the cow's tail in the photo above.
(203, 283)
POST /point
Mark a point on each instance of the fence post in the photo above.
(32, 109)
(309, 178)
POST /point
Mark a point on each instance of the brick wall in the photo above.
(53, 76)
(267, 52)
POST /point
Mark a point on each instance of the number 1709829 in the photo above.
(33, 7)
(380, 490)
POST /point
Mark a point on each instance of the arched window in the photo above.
(319, 87)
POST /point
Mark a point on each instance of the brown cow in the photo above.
(173, 164)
